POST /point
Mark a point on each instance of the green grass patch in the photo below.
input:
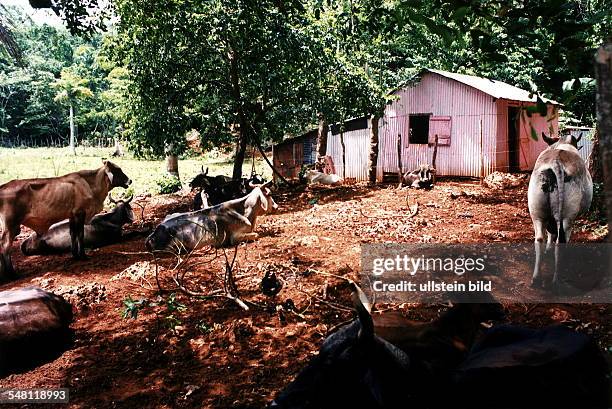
(26, 163)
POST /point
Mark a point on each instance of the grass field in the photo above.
(23, 163)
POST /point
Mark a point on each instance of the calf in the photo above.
(420, 178)
(39, 203)
(103, 230)
(225, 224)
(314, 176)
(560, 189)
(34, 327)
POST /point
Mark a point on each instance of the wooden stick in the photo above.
(481, 156)
(399, 160)
(433, 158)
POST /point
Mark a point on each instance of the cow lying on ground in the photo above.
(225, 224)
(437, 366)
(40, 203)
(420, 178)
(34, 327)
(103, 230)
(314, 176)
(517, 367)
(214, 190)
(560, 189)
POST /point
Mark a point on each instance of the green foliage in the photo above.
(258, 69)
(263, 69)
(57, 69)
(170, 314)
(168, 184)
(133, 307)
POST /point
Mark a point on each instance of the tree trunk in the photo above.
(172, 165)
(243, 130)
(72, 131)
(373, 149)
(603, 68)
(322, 137)
(172, 161)
(241, 145)
(595, 168)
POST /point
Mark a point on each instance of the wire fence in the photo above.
(52, 142)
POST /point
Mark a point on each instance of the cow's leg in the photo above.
(7, 272)
(74, 247)
(77, 232)
(567, 228)
(552, 234)
(539, 228)
(80, 235)
(240, 237)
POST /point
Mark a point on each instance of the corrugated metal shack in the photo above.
(291, 154)
(480, 125)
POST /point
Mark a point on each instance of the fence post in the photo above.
(481, 155)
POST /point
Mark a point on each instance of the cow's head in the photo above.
(256, 179)
(123, 212)
(115, 175)
(160, 240)
(354, 369)
(201, 180)
(262, 195)
(566, 140)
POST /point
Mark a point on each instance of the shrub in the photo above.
(168, 184)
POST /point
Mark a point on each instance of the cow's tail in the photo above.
(557, 196)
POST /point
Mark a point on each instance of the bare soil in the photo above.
(210, 353)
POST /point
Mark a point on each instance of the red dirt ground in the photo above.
(213, 354)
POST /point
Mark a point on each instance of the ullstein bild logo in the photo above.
(468, 273)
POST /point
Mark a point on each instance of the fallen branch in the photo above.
(414, 209)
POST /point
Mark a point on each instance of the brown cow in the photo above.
(39, 203)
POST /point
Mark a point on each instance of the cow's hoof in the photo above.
(536, 283)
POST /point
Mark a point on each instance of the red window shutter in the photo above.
(441, 126)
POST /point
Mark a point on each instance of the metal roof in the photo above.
(496, 89)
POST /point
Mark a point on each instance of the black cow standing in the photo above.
(214, 190)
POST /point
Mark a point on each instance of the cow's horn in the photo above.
(252, 186)
(363, 308)
(129, 199)
(110, 198)
(574, 140)
(548, 140)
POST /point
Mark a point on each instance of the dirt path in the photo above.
(211, 353)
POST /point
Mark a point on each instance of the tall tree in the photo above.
(70, 90)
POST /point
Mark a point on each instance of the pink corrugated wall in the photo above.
(468, 109)
(529, 148)
(440, 96)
